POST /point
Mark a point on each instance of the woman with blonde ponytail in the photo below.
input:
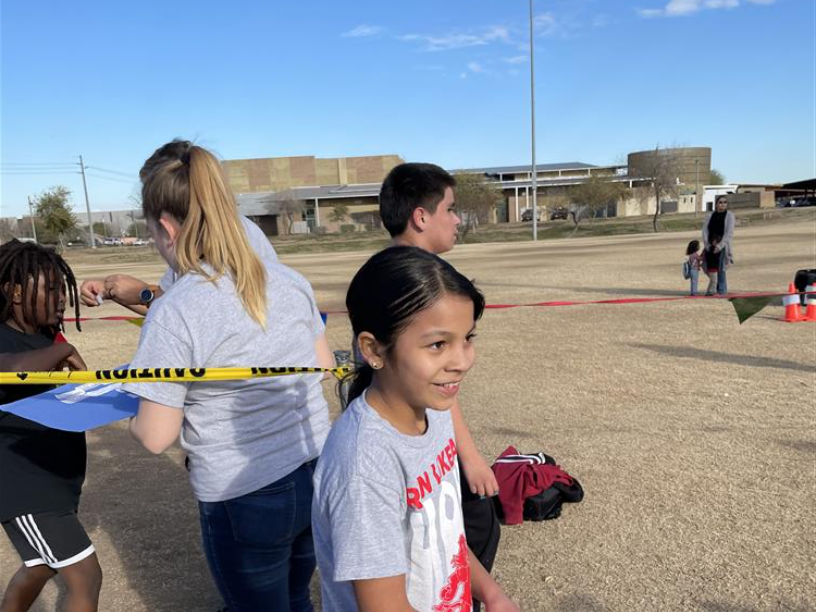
(253, 444)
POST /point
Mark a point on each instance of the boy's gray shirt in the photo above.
(239, 435)
(388, 504)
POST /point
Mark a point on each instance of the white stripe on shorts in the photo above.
(42, 539)
(24, 529)
(39, 542)
(75, 559)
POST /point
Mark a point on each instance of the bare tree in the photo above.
(286, 205)
(663, 172)
(339, 213)
(716, 177)
(595, 194)
(475, 199)
(8, 230)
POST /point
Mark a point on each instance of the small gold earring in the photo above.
(376, 366)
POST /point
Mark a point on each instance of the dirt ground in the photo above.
(694, 437)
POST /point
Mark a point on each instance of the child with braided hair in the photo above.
(43, 469)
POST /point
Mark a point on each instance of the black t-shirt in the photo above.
(712, 260)
(41, 469)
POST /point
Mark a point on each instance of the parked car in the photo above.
(527, 214)
(559, 213)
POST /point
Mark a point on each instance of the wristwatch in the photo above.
(147, 295)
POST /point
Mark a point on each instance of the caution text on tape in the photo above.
(160, 375)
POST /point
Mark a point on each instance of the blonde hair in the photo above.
(187, 182)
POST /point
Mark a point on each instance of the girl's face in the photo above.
(431, 356)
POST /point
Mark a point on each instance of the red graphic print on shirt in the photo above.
(444, 463)
(455, 595)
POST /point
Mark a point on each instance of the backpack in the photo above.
(546, 505)
(687, 269)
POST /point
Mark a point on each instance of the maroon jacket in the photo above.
(522, 479)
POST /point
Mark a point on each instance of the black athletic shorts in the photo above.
(56, 539)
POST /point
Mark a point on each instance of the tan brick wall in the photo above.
(280, 173)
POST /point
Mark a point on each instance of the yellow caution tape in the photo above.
(158, 375)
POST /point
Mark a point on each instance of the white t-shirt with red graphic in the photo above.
(388, 504)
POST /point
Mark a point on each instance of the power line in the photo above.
(110, 171)
(25, 172)
(110, 178)
(37, 164)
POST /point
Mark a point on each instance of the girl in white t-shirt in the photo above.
(387, 513)
(252, 444)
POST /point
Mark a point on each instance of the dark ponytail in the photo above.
(390, 289)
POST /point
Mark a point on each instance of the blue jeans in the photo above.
(695, 276)
(259, 546)
(722, 284)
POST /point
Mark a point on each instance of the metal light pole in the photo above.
(31, 216)
(533, 172)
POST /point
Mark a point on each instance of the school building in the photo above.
(309, 194)
(326, 195)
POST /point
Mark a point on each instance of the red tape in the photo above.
(729, 296)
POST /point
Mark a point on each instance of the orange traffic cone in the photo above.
(793, 313)
(810, 300)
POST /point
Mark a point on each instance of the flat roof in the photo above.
(526, 168)
(807, 184)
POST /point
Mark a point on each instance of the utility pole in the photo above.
(697, 185)
(31, 216)
(87, 204)
(533, 173)
(133, 223)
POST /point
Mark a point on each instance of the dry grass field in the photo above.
(694, 437)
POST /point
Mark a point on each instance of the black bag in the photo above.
(547, 505)
(543, 507)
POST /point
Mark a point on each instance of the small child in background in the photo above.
(41, 469)
(695, 262)
(712, 265)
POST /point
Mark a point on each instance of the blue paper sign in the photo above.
(77, 407)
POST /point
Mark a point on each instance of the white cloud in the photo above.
(599, 21)
(459, 40)
(516, 59)
(680, 8)
(361, 31)
(545, 24)
(475, 67)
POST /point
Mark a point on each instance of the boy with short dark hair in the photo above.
(418, 208)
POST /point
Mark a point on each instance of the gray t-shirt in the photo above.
(239, 435)
(257, 240)
(389, 504)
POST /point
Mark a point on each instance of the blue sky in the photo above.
(443, 81)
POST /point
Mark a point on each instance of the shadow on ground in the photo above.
(719, 357)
